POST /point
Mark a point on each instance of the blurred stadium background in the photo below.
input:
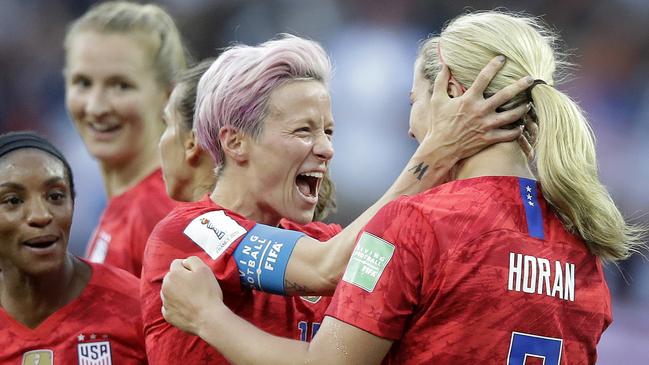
(373, 45)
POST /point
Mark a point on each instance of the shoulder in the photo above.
(469, 199)
(318, 230)
(194, 227)
(201, 215)
(148, 200)
(114, 280)
(113, 292)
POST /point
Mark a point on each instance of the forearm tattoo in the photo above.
(291, 287)
(419, 170)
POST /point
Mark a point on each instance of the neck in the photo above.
(501, 159)
(30, 299)
(121, 176)
(202, 182)
(232, 192)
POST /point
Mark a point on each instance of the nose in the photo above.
(38, 215)
(323, 148)
(97, 103)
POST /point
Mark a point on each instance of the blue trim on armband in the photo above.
(533, 214)
(262, 257)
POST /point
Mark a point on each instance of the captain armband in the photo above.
(262, 257)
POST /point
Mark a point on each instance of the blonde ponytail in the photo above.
(567, 169)
(565, 149)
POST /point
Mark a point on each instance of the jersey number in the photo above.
(523, 345)
(304, 330)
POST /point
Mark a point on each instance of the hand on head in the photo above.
(188, 290)
(469, 122)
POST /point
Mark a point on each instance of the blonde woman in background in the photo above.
(498, 265)
(121, 59)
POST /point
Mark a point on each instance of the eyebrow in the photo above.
(50, 181)
(12, 185)
(54, 180)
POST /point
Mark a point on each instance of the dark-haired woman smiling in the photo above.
(55, 307)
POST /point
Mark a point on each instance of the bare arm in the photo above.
(459, 128)
(206, 316)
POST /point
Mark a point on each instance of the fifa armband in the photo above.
(262, 257)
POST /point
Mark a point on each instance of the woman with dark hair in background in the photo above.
(55, 308)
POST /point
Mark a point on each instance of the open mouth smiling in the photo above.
(308, 184)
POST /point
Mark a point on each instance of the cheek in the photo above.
(131, 107)
(75, 105)
(64, 217)
(164, 144)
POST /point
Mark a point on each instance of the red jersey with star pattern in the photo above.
(293, 317)
(126, 223)
(476, 271)
(101, 326)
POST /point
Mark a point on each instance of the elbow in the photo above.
(330, 274)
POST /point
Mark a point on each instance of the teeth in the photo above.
(317, 175)
(102, 127)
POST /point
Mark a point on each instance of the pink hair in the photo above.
(235, 90)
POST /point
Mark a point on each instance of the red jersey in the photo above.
(126, 223)
(295, 317)
(476, 271)
(101, 326)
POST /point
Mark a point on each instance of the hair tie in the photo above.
(529, 89)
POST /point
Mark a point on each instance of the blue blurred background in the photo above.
(373, 44)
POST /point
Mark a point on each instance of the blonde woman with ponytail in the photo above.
(502, 263)
(121, 59)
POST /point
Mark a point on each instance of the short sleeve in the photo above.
(380, 287)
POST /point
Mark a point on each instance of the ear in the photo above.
(454, 89)
(193, 151)
(235, 144)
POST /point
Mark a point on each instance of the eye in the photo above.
(303, 130)
(329, 132)
(81, 81)
(57, 196)
(123, 86)
(12, 200)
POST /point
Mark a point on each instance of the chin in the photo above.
(303, 217)
(46, 267)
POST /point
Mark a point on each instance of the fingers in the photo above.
(508, 92)
(531, 131)
(526, 147)
(503, 135)
(484, 77)
(441, 82)
(508, 116)
(176, 264)
(192, 263)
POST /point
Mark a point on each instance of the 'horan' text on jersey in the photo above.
(531, 274)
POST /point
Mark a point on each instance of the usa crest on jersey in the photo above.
(94, 353)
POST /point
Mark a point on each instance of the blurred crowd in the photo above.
(373, 44)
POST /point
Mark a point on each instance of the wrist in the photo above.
(210, 318)
(428, 167)
(438, 152)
